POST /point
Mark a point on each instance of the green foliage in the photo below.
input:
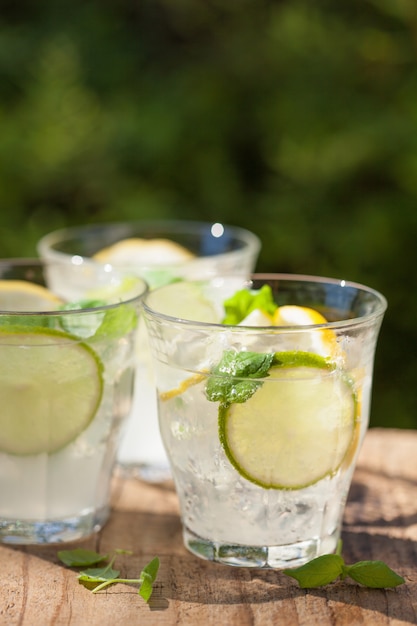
(294, 119)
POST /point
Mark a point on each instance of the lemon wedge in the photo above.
(22, 295)
(135, 251)
(257, 317)
(321, 341)
(294, 315)
(298, 426)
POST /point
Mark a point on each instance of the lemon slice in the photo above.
(137, 251)
(183, 386)
(257, 317)
(294, 315)
(322, 342)
(22, 295)
(296, 428)
(50, 388)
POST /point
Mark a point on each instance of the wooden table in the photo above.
(380, 523)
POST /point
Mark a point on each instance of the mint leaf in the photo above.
(113, 322)
(146, 588)
(243, 302)
(98, 574)
(80, 557)
(318, 572)
(375, 574)
(229, 382)
(98, 578)
(117, 322)
(158, 278)
(151, 569)
(83, 325)
(327, 568)
(148, 576)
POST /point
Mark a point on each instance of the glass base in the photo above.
(273, 557)
(29, 532)
(149, 473)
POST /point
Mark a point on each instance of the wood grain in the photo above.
(380, 523)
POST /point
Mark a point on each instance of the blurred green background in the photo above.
(295, 119)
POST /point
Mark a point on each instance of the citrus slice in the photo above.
(182, 387)
(137, 251)
(321, 341)
(296, 428)
(22, 295)
(295, 315)
(257, 317)
(50, 389)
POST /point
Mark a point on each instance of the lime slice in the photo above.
(22, 295)
(184, 300)
(51, 385)
(296, 428)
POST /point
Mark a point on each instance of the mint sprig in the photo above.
(111, 322)
(327, 568)
(232, 379)
(244, 301)
(98, 578)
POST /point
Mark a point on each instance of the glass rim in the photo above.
(40, 263)
(191, 227)
(302, 278)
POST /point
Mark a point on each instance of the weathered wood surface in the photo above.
(380, 523)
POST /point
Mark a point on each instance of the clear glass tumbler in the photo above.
(67, 370)
(161, 252)
(264, 391)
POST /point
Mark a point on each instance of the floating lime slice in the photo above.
(51, 385)
(296, 428)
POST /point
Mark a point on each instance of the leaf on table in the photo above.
(374, 574)
(80, 557)
(318, 572)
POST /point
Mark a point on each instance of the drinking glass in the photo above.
(211, 249)
(67, 368)
(264, 390)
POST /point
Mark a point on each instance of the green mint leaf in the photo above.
(159, 278)
(80, 557)
(243, 302)
(86, 324)
(99, 574)
(113, 322)
(228, 380)
(97, 578)
(375, 574)
(117, 322)
(146, 588)
(318, 572)
(148, 576)
(151, 569)
(81, 304)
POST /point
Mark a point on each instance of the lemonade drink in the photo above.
(161, 252)
(66, 381)
(263, 419)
